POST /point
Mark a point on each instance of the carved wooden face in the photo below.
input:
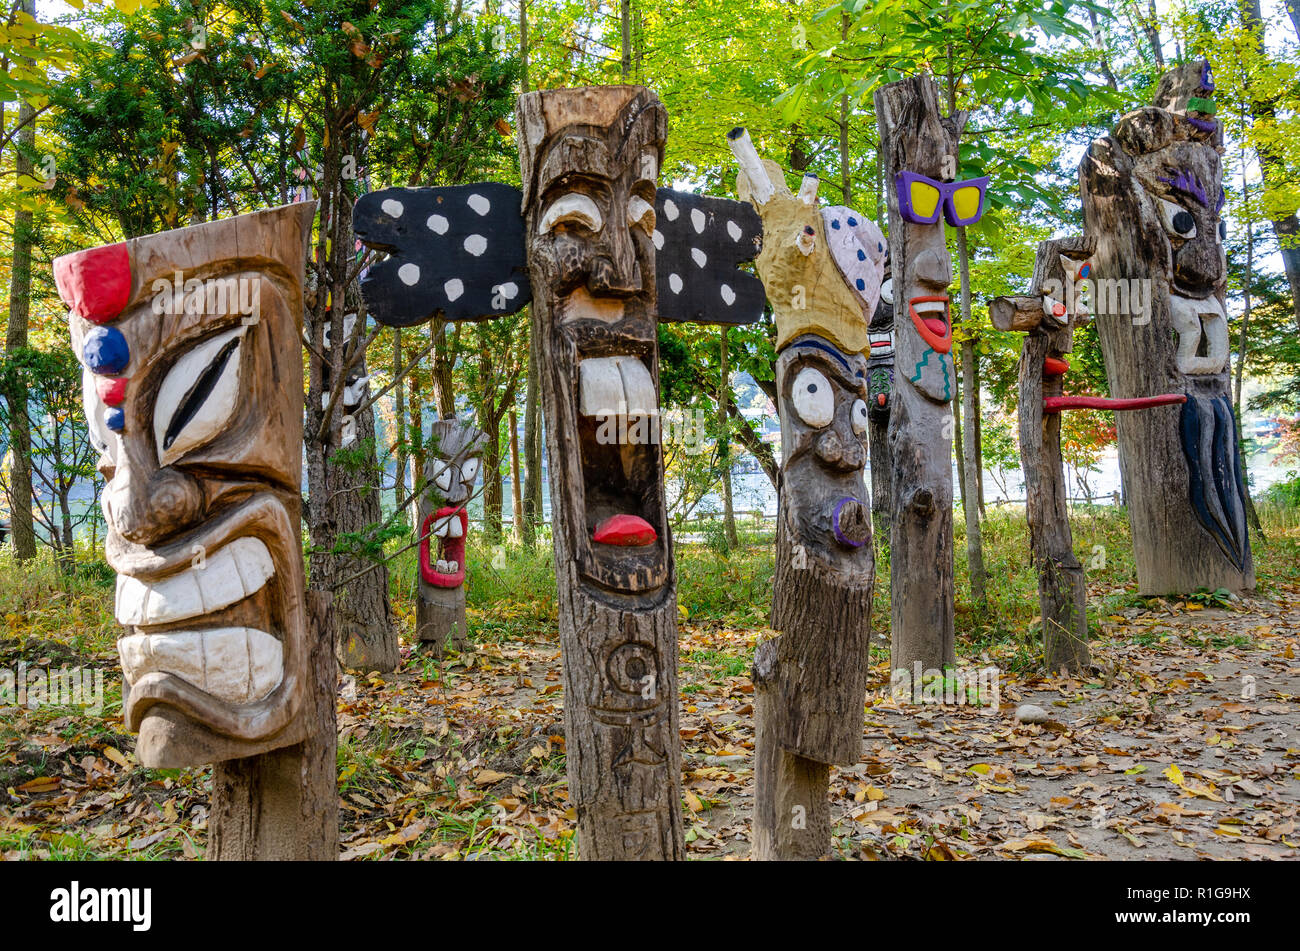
(823, 425)
(880, 362)
(589, 193)
(193, 390)
(451, 470)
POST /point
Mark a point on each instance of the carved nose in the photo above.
(933, 269)
(835, 454)
(615, 272)
(851, 522)
(1198, 264)
(144, 509)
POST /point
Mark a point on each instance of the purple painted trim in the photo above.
(903, 189)
(1207, 77)
(1187, 183)
(835, 523)
(1205, 125)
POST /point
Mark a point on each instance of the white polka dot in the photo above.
(733, 229)
(728, 295)
(675, 283)
(479, 203)
(409, 273)
(392, 208)
(658, 240)
(476, 244)
(437, 224)
(670, 210)
(454, 288)
(509, 290)
(699, 257)
(697, 219)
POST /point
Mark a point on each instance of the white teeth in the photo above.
(1192, 318)
(619, 385)
(235, 664)
(930, 306)
(454, 528)
(441, 527)
(440, 566)
(228, 575)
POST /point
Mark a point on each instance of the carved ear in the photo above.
(700, 243)
(455, 252)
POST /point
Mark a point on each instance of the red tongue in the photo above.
(629, 530)
(935, 325)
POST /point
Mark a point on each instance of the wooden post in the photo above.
(822, 271)
(604, 255)
(1048, 315)
(450, 471)
(1152, 195)
(880, 387)
(193, 393)
(916, 138)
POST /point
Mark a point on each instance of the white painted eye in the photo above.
(571, 209)
(859, 417)
(887, 291)
(101, 437)
(1053, 307)
(1178, 221)
(813, 398)
(198, 396)
(640, 213)
(442, 476)
(469, 471)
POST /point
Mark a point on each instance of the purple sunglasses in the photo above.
(944, 202)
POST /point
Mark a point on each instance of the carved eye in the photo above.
(859, 417)
(1177, 220)
(1053, 307)
(887, 291)
(198, 396)
(442, 476)
(469, 471)
(813, 398)
(640, 213)
(571, 209)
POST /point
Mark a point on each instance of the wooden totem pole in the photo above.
(919, 158)
(880, 385)
(191, 346)
(449, 475)
(605, 255)
(1048, 314)
(1152, 196)
(822, 271)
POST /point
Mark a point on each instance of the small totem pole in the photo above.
(1048, 315)
(191, 346)
(919, 159)
(449, 475)
(604, 254)
(822, 271)
(1152, 196)
(880, 384)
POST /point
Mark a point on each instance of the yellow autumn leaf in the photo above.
(1174, 774)
(693, 802)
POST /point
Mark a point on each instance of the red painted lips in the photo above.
(626, 530)
(450, 548)
(932, 322)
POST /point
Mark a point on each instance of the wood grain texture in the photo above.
(918, 138)
(595, 299)
(1152, 194)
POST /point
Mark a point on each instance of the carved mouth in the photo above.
(930, 317)
(449, 525)
(237, 663)
(213, 627)
(1202, 328)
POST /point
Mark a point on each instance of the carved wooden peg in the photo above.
(450, 472)
(1152, 197)
(191, 344)
(811, 679)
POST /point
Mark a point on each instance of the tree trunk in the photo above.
(399, 425)
(724, 443)
(915, 137)
(20, 299)
(532, 447)
(970, 432)
(617, 604)
(284, 805)
(516, 493)
(1181, 468)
